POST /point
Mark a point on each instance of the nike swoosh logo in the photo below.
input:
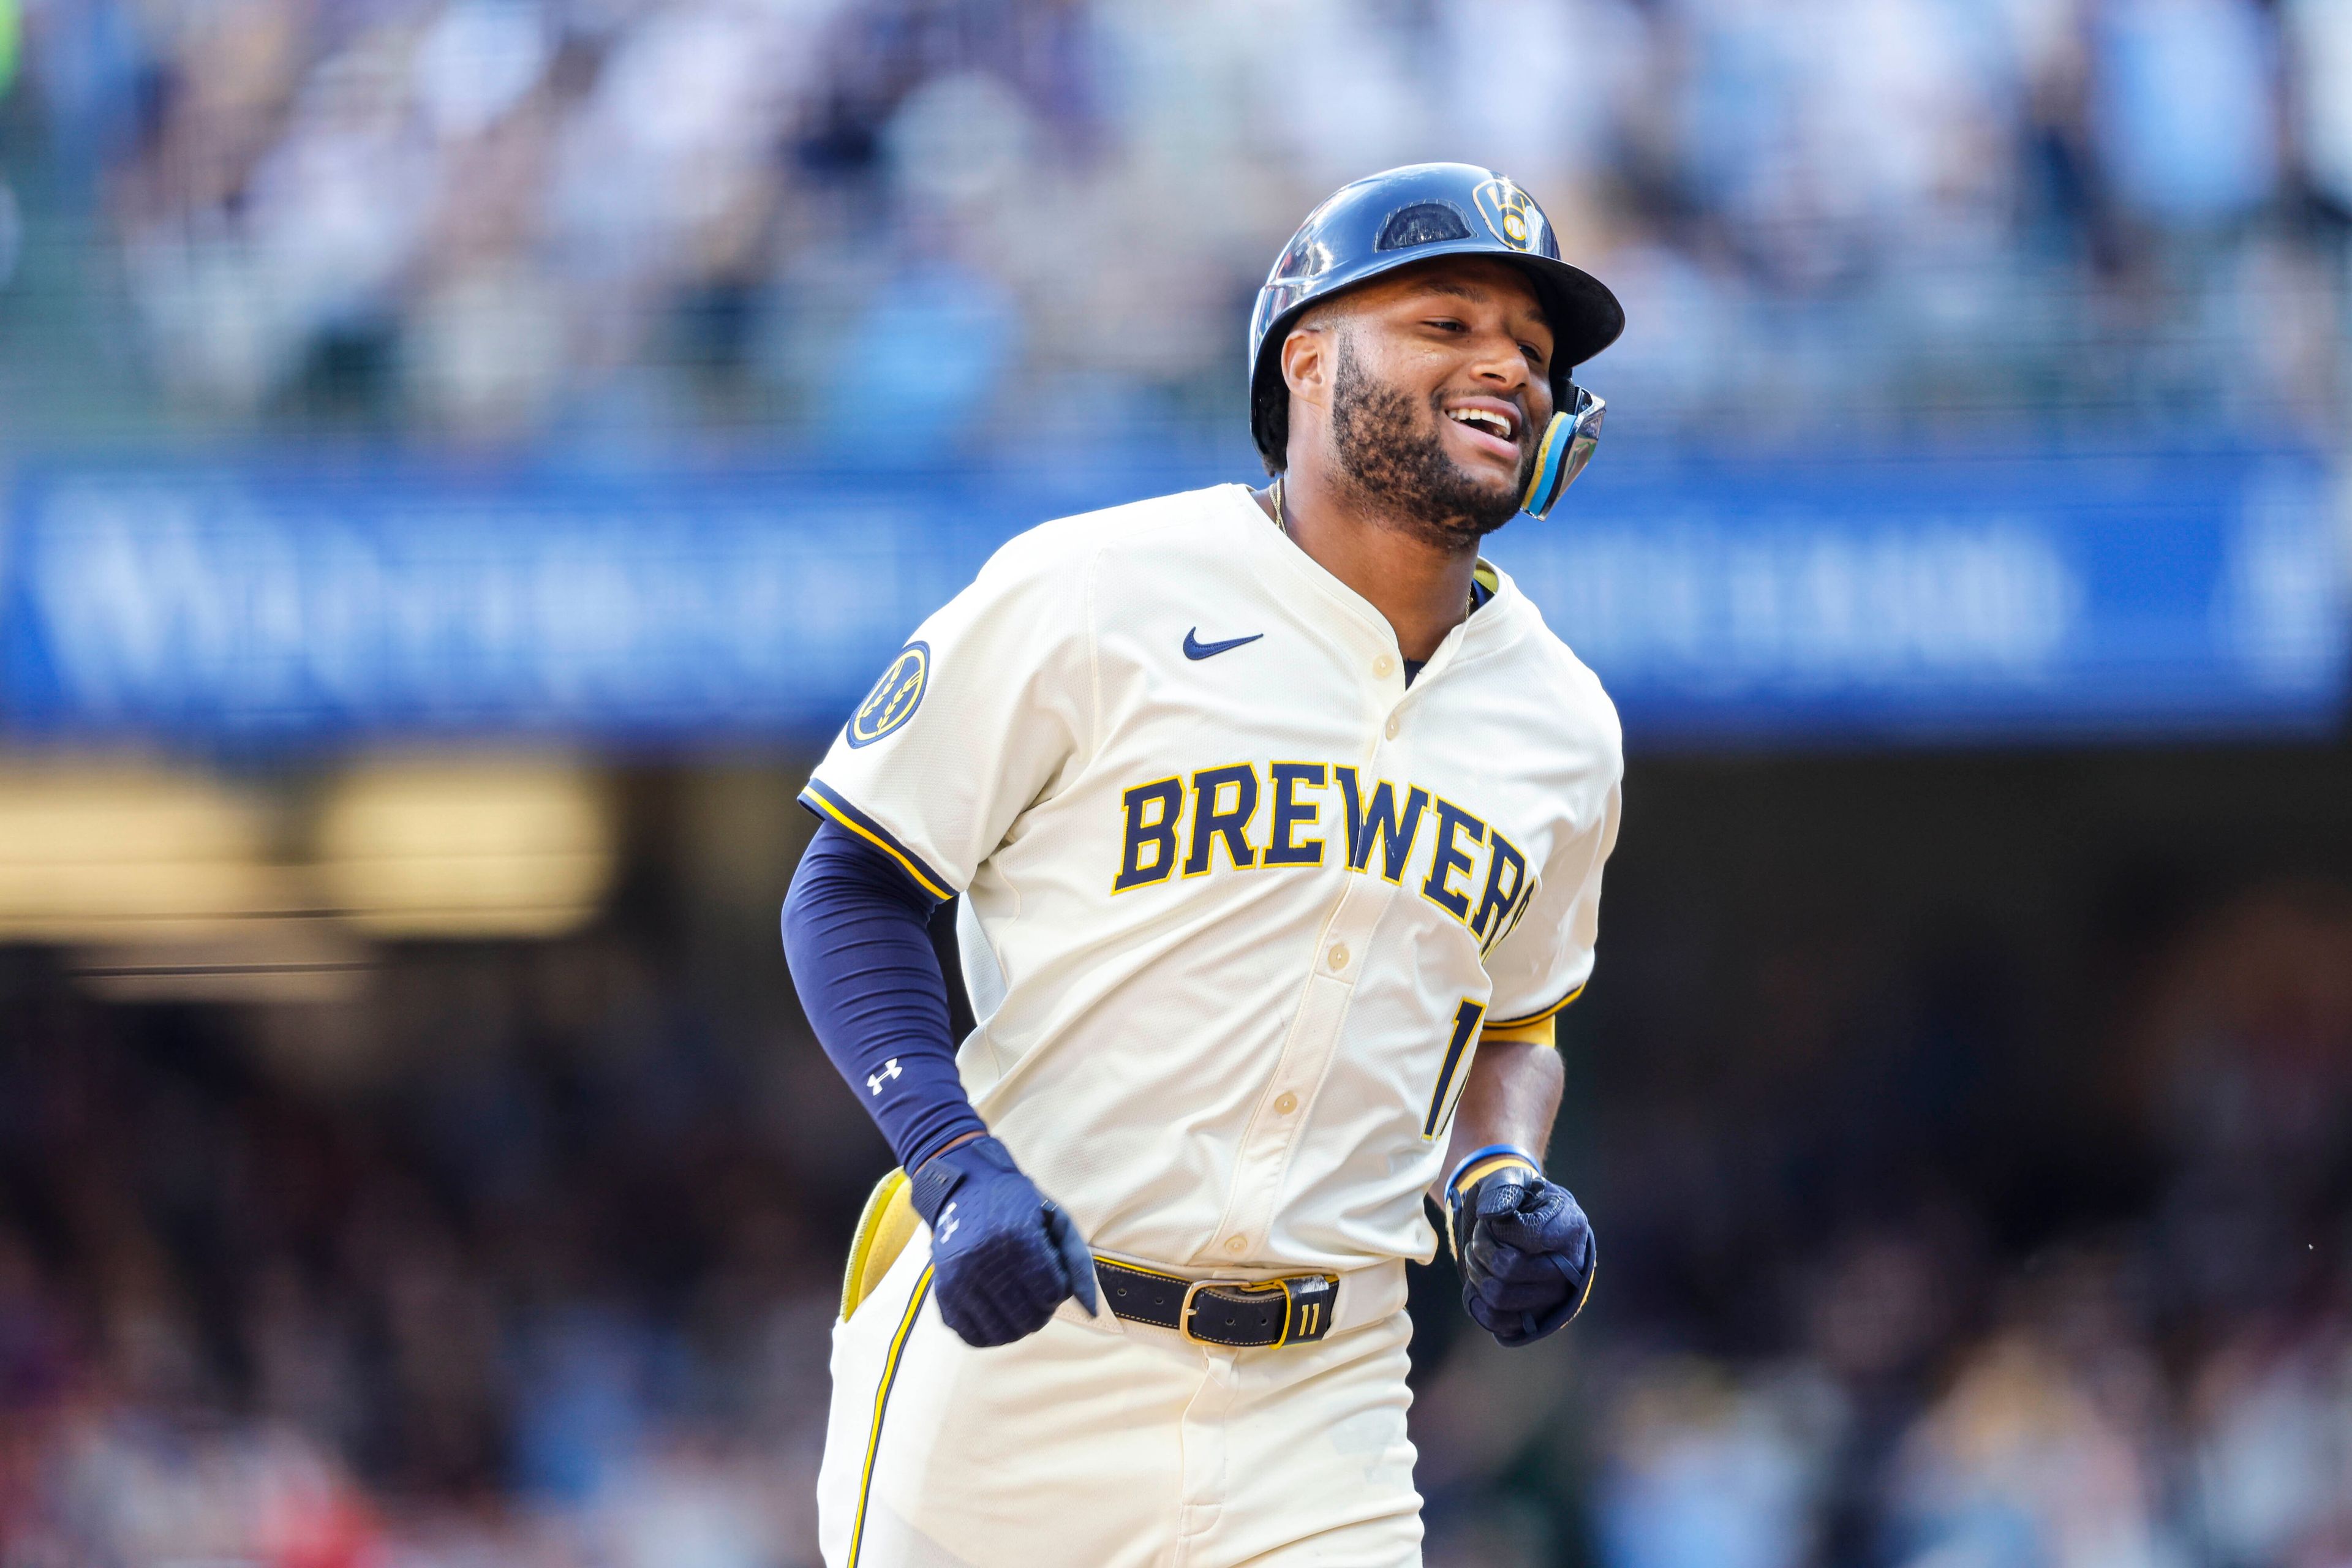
(1195, 648)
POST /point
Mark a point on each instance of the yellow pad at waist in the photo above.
(883, 1232)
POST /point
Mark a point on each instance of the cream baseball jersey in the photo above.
(1238, 900)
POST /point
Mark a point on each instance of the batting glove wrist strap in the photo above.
(930, 1187)
(1003, 1256)
(1478, 1164)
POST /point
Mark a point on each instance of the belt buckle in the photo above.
(1305, 1313)
(1191, 1292)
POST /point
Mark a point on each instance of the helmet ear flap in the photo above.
(1566, 445)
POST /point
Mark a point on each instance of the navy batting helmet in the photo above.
(1416, 213)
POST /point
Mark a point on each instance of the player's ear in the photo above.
(1307, 356)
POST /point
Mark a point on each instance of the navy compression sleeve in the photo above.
(855, 936)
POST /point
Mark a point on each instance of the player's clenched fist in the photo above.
(1002, 1255)
(1524, 1247)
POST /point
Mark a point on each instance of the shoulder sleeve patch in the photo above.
(894, 697)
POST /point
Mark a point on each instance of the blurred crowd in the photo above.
(1945, 1279)
(532, 1259)
(906, 226)
(521, 1256)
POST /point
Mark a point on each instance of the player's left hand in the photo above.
(1526, 1253)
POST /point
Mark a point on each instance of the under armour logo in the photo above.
(873, 1080)
(947, 1222)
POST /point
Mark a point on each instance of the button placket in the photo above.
(1319, 1022)
(1305, 1058)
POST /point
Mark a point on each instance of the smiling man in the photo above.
(1279, 819)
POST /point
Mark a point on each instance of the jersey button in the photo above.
(1286, 1104)
(1384, 667)
(1235, 1243)
(1395, 724)
(1338, 955)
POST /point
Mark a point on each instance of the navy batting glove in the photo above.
(1003, 1256)
(1526, 1249)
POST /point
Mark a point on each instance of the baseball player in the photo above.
(1279, 818)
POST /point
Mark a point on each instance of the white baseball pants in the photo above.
(1104, 1444)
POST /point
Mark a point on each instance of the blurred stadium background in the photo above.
(463, 457)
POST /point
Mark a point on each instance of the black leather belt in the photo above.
(1235, 1314)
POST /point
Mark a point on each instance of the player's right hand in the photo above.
(1002, 1255)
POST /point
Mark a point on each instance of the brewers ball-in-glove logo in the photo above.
(894, 697)
(1511, 213)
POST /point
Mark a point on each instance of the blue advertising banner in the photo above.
(1951, 597)
(258, 604)
(1922, 597)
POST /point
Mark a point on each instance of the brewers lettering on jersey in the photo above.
(1277, 819)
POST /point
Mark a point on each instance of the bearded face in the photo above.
(1392, 448)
